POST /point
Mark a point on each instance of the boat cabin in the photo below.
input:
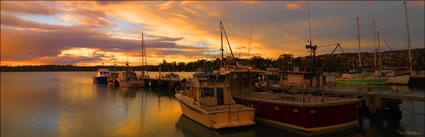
(103, 72)
(209, 90)
(127, 76)
(172, 76)
(302, 78)
(273, 75)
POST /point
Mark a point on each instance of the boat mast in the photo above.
(221, 37)
(144, 60)
(374, 44)
(249, 45)
(309, 23)
(144, 51)
(310, 46)
(141, 52)
(408, 36)
(358, 39)
(227, 39)
(379, 54)
(222, 30)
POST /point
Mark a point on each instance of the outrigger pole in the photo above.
(222, 30)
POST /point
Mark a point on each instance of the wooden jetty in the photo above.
(162, 82)
(377, 101)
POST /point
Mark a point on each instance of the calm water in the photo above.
(46, 104)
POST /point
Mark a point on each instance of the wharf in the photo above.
(378, 100)
(411, 96)
(162, 82)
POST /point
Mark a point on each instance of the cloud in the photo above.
(30, 7)
(165, 5)
(97, 21)
(50, 43)
(188, 30)
(293, 6)
(69, 60)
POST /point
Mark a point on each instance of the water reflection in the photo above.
(192, 128)
(67, 104)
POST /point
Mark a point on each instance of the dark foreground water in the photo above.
(67, 104)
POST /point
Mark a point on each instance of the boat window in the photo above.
(208, 92)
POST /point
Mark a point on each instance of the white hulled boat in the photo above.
(207, 100)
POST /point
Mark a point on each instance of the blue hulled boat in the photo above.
(101, 76)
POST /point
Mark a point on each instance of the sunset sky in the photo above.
(92, 33)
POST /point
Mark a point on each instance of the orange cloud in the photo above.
(293, 6)
(97, 21)
(165, 5)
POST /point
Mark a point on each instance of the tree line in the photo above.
(342, 62)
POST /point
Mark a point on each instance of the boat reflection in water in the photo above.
(192, 128)
(68, 104)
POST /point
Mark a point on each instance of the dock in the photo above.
(378, 100)
(162, 82)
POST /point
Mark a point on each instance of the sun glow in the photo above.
(76, 52)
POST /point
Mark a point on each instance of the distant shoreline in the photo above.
(70, 68)
(342, 62)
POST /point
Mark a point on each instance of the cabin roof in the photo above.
(301, 73)
(103, 70)
(248, 70)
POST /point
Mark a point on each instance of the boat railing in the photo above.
(225, 107)
(298, 98)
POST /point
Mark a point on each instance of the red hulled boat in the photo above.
(304, 111)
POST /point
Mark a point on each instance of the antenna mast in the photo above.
(310, 46)
(358, 39)
(141, 52)
(222, 30)
(408, 36)
(249, 45)
(374, 43)
(379, 54)
(309, 22)
(221, 37)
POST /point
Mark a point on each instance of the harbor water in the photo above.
(68, 104)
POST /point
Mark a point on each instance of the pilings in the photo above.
(372, 101)
(378, 103)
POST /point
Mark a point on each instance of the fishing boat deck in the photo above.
(212, 108)
(229, 107)
(298, 99)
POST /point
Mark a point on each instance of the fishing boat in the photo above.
(298, 111)
(386, 77)
(129, 79)
(101, 76)
(271, 79)
(380, 76)
(113, 79)
(207, 100)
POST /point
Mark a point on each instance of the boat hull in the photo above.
(131, 84)
(362, 81)
(216, 120)
(400, 79)
(100, 80)
(305, 118)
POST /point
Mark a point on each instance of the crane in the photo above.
(391, 49)
(313, 49)
(337, 46)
